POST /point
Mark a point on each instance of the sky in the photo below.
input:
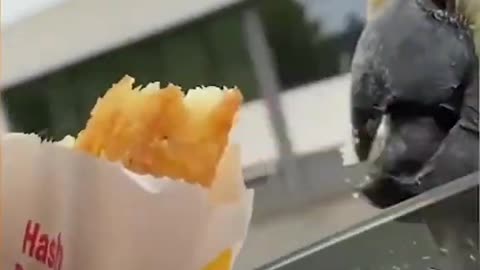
(333, 21)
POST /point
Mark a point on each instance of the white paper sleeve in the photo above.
(62, 209)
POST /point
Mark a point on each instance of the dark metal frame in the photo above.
(407, 207)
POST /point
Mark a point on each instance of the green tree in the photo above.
(295, 42)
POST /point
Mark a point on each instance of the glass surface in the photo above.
(209, 52)
(399, 239)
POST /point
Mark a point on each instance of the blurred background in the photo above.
(290, 58)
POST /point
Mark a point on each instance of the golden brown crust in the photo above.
(161, 131)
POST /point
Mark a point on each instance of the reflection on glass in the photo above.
(202, 53)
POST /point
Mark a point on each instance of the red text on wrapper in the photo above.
(45, 249)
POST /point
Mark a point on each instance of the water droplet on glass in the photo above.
(426, 258)
(414, 243)
(453, 64)
(396, 268)
(356, 195)
(473, 258)
(348, 180)
(406, 266)
(391, 251)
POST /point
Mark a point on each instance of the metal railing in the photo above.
(407, 207)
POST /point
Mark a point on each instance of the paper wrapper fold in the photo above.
(63, 209)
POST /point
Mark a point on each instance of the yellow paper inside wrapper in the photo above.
(223, 262)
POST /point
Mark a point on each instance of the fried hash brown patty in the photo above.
(162, 131)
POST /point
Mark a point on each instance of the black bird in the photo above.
(416, 65)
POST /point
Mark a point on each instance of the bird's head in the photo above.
(420, 50)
